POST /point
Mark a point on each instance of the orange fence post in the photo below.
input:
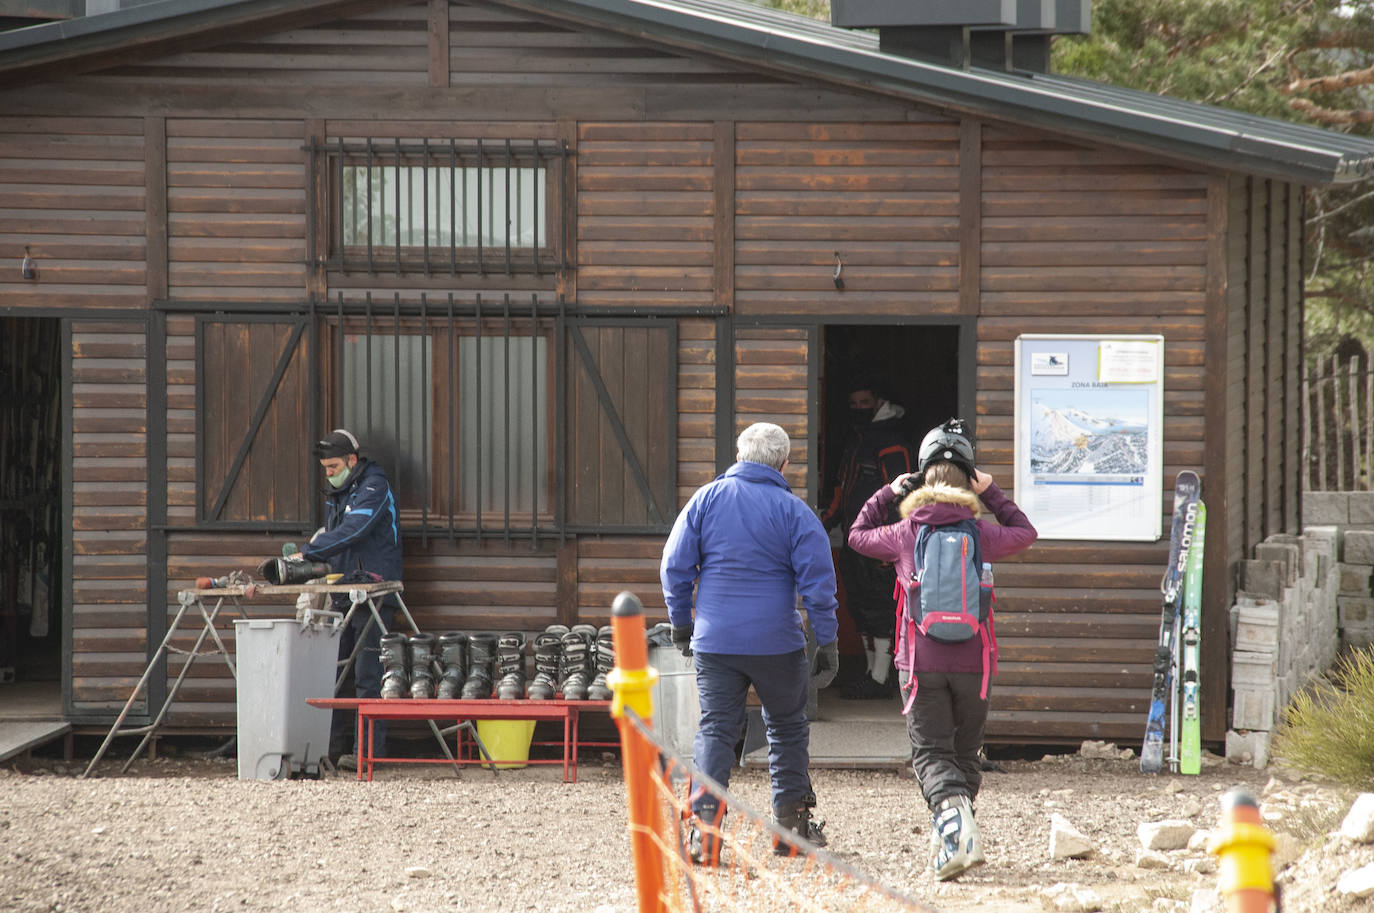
(632, 681)
(1243, 846)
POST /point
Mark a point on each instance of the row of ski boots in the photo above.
(572, 662)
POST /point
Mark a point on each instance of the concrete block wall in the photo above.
(1301, 600)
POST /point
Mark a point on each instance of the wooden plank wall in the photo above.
(696, 406)
(387, 49)
(72, 191)
(644, 214)
(181, 422)
(882, 197)
(1237, 260)
(109, 512)
(236, 209)
(772, 368)
(1080, 240)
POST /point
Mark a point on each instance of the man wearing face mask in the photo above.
(875, 453)
(361, 537)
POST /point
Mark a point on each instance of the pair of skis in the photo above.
(1180, 637)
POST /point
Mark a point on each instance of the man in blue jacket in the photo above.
(749, 547)
(361, 537)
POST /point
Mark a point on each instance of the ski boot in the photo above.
(603, 661)
(575, 670)
(395, 682)
(453, 658)
(548, 652)
(704, 833)
(481, 655)
(960, 846)
(422, 666)
(796, 817)
(510, 666)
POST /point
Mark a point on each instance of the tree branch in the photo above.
(1323, 216)
(1334, 83)
(1331, 115)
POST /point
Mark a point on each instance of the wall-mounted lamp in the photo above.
(30, 268)
(839, 268)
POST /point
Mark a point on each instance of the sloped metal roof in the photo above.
(804, 48)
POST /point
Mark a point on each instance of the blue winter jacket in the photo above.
(362, 528)
(750, 546)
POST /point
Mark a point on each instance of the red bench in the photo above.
(372, 709)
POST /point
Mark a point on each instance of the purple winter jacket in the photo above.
(934, 506)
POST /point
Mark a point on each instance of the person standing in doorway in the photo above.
(746, 546)
(875, 452)
(361, 540)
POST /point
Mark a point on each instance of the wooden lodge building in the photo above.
(547, 258)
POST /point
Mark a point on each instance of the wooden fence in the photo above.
(1338, 424)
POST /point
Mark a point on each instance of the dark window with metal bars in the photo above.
(446, 206)
(456, 401)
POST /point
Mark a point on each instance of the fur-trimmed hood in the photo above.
(940, 493)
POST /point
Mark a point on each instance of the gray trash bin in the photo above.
(676, 708)
(282, 662)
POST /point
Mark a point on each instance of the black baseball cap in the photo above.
(337, 443)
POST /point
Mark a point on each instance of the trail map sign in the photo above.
(1089, 430)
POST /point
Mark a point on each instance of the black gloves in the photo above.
(827, 664)
(682, 638)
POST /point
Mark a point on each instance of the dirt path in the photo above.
(186, 835)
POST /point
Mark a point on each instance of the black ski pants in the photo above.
(946, 726)
(868, 586)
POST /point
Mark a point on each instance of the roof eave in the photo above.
(39, 48)
(970, 92)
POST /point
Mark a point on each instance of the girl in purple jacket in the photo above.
(949, 709)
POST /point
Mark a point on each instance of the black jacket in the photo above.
(362, 526)
(874, 455)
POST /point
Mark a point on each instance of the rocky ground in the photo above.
(182, 833)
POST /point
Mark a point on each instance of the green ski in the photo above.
(1190, 752)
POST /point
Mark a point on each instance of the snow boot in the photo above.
(575, 671)
(603, 661)
(703, 833)
(395, 681)
(510, 666)
(548, 652)
(453, 658)
(960, 845)
(481, 655)
(422, 666)
(796, 817)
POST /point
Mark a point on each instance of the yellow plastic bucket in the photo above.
(507, 741)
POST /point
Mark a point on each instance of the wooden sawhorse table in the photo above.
(372, 709)
(361, 597)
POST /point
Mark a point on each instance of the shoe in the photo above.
(347, 762)
(703, 836)
(960, 845)
(796, 817)
(866, 689)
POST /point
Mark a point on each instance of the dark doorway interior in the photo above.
(30, 503)
(916, 367)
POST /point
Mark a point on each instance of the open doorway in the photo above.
(916, 368)
(30, 510)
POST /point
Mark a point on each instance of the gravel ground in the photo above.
(182, 833)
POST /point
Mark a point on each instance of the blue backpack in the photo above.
(946, 599)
